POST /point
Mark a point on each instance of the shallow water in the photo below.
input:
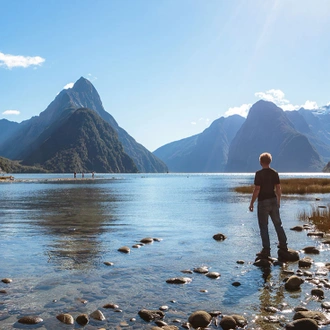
(56, 235)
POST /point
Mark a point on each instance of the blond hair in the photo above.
(265, 158)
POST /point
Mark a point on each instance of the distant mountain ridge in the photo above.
(205, 152)
(27, 136)
(296, 140)
(267, 128)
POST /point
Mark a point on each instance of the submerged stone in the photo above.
(65, 318)
(31, 319)
(82, 319)
(219, 237)
(97, 315)
(151, 315)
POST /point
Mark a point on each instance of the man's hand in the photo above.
(251, 207)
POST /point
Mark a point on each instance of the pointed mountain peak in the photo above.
(83, 85)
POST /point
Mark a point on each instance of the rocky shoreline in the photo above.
(299, 272)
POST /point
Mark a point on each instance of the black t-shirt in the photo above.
(266, 178)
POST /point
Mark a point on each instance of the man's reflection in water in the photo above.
(271, 298)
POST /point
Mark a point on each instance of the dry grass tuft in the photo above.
(299, 186)
(319, 216)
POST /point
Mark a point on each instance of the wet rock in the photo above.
(111, 305)
(151, 315)
(316, 233)
(319, 317)
(288, 272)
(318, 293)
(325, 305)
(321, 272)
(179, 280)
(31, 319)
(271, 309)
(156, 239)
(228, 322)
(160, 323)
(302, 324)
(213, 275)
(311, 250)
(297, 228)
(65, 318)
(201, 270)
(166, 327)
(124, 249)
(3, 291)
(307, 226)
(215, 313)
(6, 280)
(108, 263)
(82, 319)
(289, 255)
(236, 283)
(163, 308)
(240, 262)
(293, 283)
(97, 315)
(219, 237)
(187, 271)
(307, 273)
(300, 309)
(136, 246)
(240, 320)
(305, 262)
(327, 241)
(200, 319)
(299, 272)
(147, 240)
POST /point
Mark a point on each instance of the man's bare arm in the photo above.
(254, 197)
(278, 192)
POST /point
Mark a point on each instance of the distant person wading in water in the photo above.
(267, 189)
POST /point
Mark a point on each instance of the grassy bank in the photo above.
(296, 186)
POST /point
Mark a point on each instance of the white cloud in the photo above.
(11, 61)
(310, 105)
(278, 97)
(11, 112)
(69, 85)
(273, 95)
(241, 110)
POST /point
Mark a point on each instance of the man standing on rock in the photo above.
(267, 189)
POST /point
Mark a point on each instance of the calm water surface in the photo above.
(56, 235)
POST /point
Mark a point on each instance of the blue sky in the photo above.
(165, 69)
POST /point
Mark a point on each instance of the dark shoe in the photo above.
(264, 253)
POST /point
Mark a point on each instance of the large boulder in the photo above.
(200, 319)
(302, 324)
(317, 316)
(289, 255)
(293, 283)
